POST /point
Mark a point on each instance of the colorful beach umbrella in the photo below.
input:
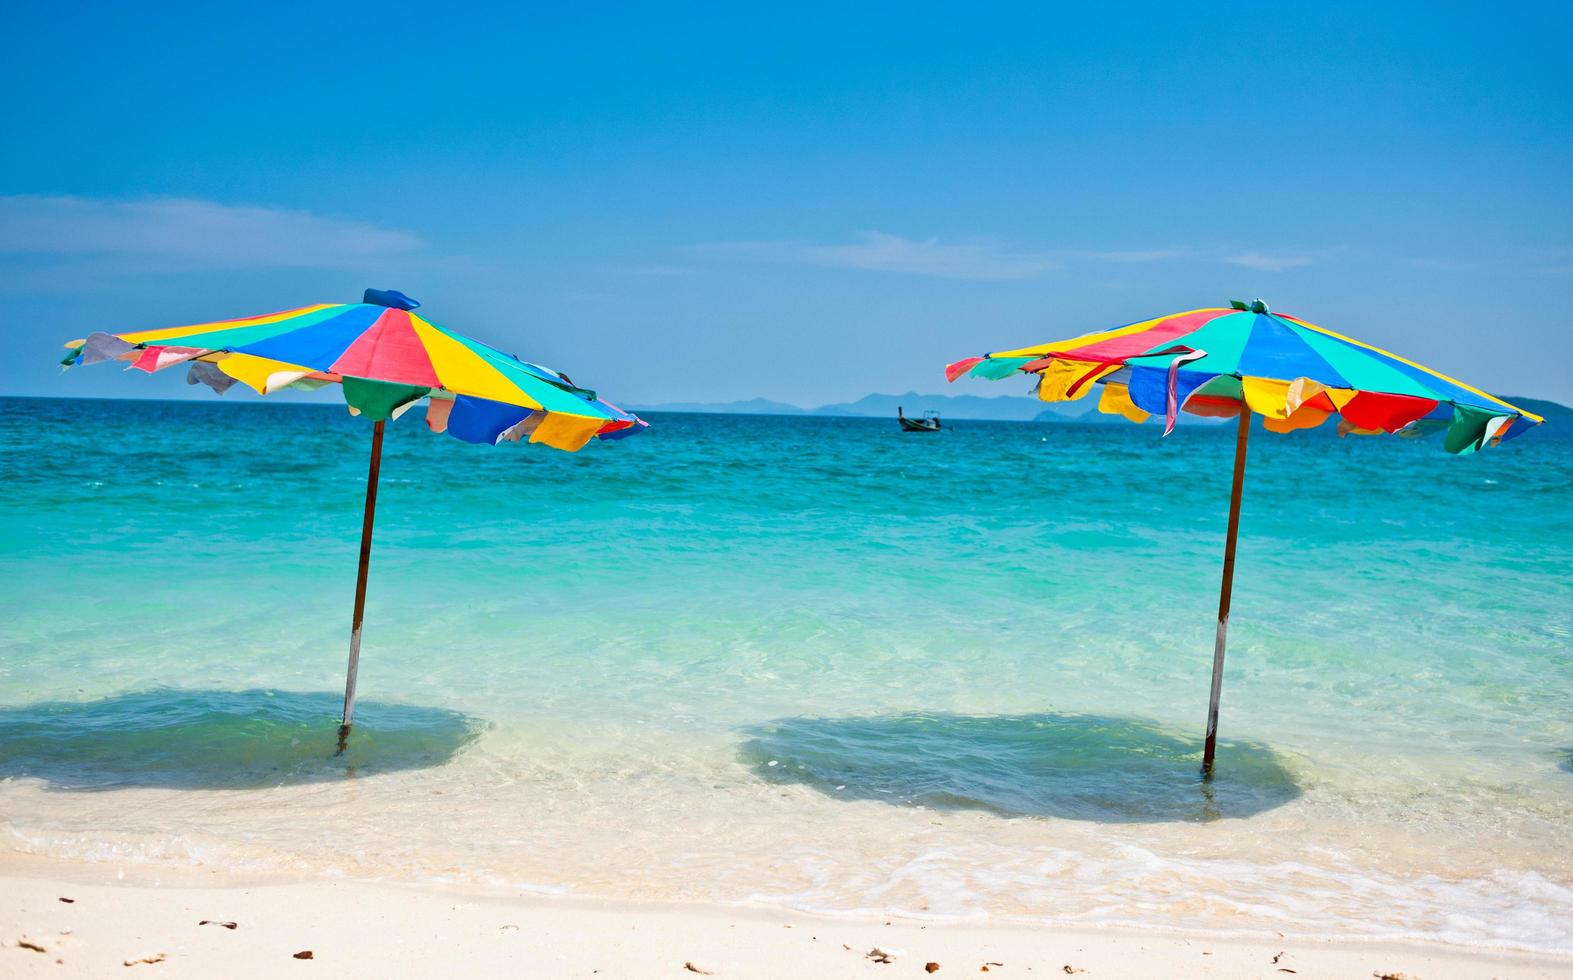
(386, 360)
(1246, 360)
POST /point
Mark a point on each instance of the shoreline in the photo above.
(361, 928)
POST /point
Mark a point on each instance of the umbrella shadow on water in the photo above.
(184, 739)
(1077, 767)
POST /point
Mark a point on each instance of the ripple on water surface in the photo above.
(979, 661)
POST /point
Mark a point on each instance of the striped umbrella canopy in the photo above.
(1242, 361)
(1291, 372)
(386, 360)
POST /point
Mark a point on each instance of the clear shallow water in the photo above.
(812, 662)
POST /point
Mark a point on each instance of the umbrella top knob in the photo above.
(391, 298)
(1255, 306)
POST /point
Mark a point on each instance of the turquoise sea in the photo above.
(811, 662)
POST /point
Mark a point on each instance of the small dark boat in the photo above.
(928, 423)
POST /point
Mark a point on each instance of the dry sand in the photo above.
(356, 929)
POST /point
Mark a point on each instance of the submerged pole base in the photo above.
(353, 666)
(1210, 743)
(1225, 592)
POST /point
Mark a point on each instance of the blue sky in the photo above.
(805, 203)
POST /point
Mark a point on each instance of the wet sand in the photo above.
(359, 929)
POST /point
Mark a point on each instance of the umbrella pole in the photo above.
(1209, 748)
(360, 584)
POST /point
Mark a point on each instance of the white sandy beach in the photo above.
(116, 929)
(735, 491)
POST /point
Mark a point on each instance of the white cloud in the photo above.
(1552, 265)
(1136, 255)
(183, 233)
(1268, 262)
(1442, 265)
(981, 259)
(664, 271)
(883, 252)
(931, 257)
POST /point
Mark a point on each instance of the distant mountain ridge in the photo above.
(753, 406)
(1003, 408)
(1558, 417)
(1007, 408)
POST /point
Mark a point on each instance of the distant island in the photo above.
(1559, 417)
(1002, 408)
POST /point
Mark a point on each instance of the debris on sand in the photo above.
(931, 968)
(880, 955)
(1073, 969)
(1392, 975)
(29, 944)
(691, 968)
(68, 901)
(304, 954)
(150, 958)
(215, 922)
